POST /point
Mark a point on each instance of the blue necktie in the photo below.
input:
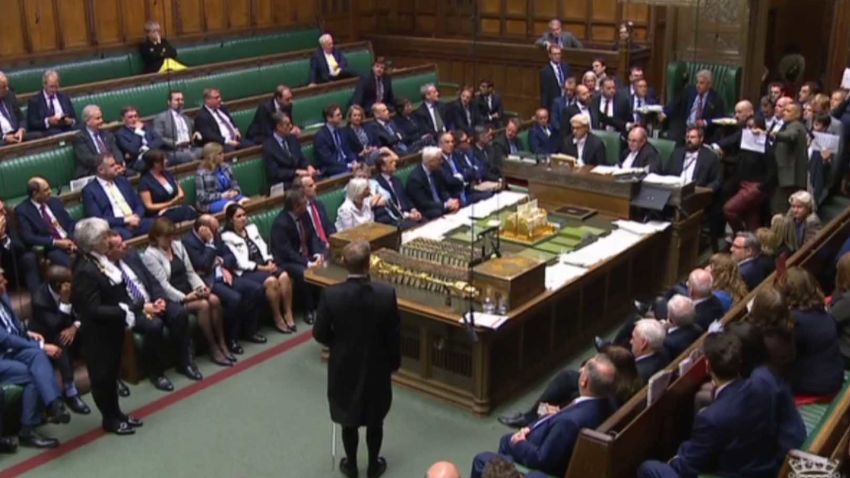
(434, 193)
(456, 171)
(8, 322)
(560, 76)
(135, 294)
(338, 142)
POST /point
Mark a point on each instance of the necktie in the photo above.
(285, 146)
(560, 75)
(116, 195)
(438, 121)
(132, 289)
(489, 103)
(227, 125)
(434, 194)
(468, 116)
(8, 322)
(639, 116)
(605, 108)
(512, 146)
(338, 143)
(317, 220)
(303, 237)
(333, 66)
(50, 107)
(696, 110)
(51, 223)
(379, 90)
(455, 170)
(101, 146)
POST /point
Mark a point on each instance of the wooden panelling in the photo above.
(605, 10)
(108, 27)
(545, 8)
(72, 18)
(41, 25)
(238, 13)
(215, 14)
(190, 13)
(576, 9)
(516, 7)
(266, 13)
(515, 27)
(491, 6)
(13, 29)
(134, 19)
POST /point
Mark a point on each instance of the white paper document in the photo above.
(657, 386)
(642, 228)
(559, 275)
(609, 246)
(483, 319)
(663, 180)
(825, 141)
(845, 79)
(752, 142)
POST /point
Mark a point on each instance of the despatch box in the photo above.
(519, 279)
(379, 236)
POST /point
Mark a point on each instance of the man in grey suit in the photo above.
(792, 158)
(177, 131)
(557, 36)
(91, 141)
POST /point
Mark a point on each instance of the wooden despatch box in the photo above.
(379, 236)
(520, 279)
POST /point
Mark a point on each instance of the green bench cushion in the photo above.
(264, 220)
(55, 165)
(404, 173)
(332, 200)
(612, 143)
(409, 87)
(246, 47)
(665, 149)
(251, 174)
(816, 415)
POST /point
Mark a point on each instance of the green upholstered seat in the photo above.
(332, 200)
(404, 173)
(612, 145)
(308, 110)
(251, 174)
(243, 118)
(409, 87)
(264, 220)
(665, 149)
(727, 80)
(816, 415)
(10, 408)
(76, 72)
(190, 189)
(360, 62)
(246, 47)
(56, 165)
(76, 211)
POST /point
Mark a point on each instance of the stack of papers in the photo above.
(642, 228)
(483, 319)
(609, 246)
(560, 275)
(659, 180)
(752, 142)
(825, 141)
(616, 170)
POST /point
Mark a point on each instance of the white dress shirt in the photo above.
(5, 125)
(57, 108)
(630, 159)
(180, 127)
(689, 166)
(580, 149)
(222, 122)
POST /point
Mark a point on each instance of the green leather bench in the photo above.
(107, 67)
(727, 80)
(613, 145)
(665, 149)
(55, 165)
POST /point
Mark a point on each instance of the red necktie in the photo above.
(320, 230)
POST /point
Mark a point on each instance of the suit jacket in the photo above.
(622, 113)
(458, 119)
(327, 225)
(15, 115)
(35, 231)
(11, 341)
(679, 111)
(204, 257)
(286, 242)
(777, 397)
(319, 72)
(566, 40)
(752, 272)
(262, 126)
(37, 111)
(86, 152)
(281, 164)
(539, 143)
(164, 126)
(818, 366)
(47, 319)
(206, 124)
(680, 339)
(647, 366)
(96, 202)
(426, 124)
(365, 94)
(327, 155)
(398, 204)
(792, 155)
(558, 109)
(487, 112)
(647, 156)
(360, 322)
(408, 127)
(550, 87)
(731, 437)
(708, 311)
(549, 445)
(504, 146)
(154, 286)
(154, 55)
(419, 192)
(593, 152)
(131, 144)
(707, 172)
(158, 271)
(567, 127)
(384, 138)
(489, 162)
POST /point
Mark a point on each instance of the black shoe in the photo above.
(349, 470)
(223, 363)
(284, 330)
(190, 371)
(56, 412)
(123, 390)
(123, 428)
(235, 348)
(516, 420)
(377, 469)
(8, 445)
(32, 438)
(133, 421)
(257, 339)
(162, 383)
(599, 343)
(77, 405)
(310, 317)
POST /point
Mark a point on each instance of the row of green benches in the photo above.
(125, 64)
(57, 164)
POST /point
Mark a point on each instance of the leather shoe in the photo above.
(516, 420)
(162, 383)
(32, 438)
(235, 348)
(257, 339)
(56, 412)
(221, 363)
(310, 317)
(377, 469)
(133, 421)
(190, 371)
(123, 389)
(8, 445)
(77, 405)
(123, 428)
(599, 343)
(347, 469)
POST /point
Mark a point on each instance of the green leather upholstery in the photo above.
(308, 110)
(264, 220)
(404, 173)
(251, 174)
(107, 67)
(76, 211)
(409, 87)
(332, 200)
(727, 80)
(816, 415)
(612, 143)
(243, 118)
(55, 165)
(11, 408)
(665, 149)
(189, 189)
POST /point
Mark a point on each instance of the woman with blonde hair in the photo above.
(729, 287)
(215, 183)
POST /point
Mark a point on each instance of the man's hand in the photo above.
(11, 138)
(52, 351)
(65, 244)
(54, 120)
(66, 337)
(149, 309)
(826, 155)
(415, 215)
(35, 336)
(132, 221)
(226, 276)
(453, 205)
(159, 306)
(296, 131)
(206, 233)
(520, 435)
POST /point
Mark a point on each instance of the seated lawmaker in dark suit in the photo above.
(552, 77)
(490, 107)
(92, 141)
(406, 123)
(432, 116)
(155, 49)
(22, 264)
(216, 125)
(695, 106)
(735, 435)
(282, 154)
(332, 153)
(13, 125)
(648, 347)
(508, 142)
(374, 88)
(161, 193)
(398, 210)
(746, 250)
(471, 169)
(556, 35)
(384, 132)
(462, 113)
(359, 322)
(614, 110)
(328, 63)
(317, 215)
(641, 154)
(135, 139)
(681, 329)
(639, 96)
(50, 111)
(541, 138)
(548, 443)
(112, 198)
(694, 162)
(582, 144)
(53, 318)
(263, 124)
(485, 154)
(44, 222)
(700, 286)
(426, 186)
(25, 362)
(296, 248)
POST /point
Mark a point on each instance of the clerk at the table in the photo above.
(426, 186)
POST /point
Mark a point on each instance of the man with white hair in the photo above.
(558, 37)
(647, 345)
(641, 154)
(681, 330)
(92, 141)
(582, 144)
(431, 114)
(697, 105)
(50, 111)
(706, 306)
(427, 188)
(12, 125)
(328, 63)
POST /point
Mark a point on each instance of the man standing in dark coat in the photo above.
(359, 321)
